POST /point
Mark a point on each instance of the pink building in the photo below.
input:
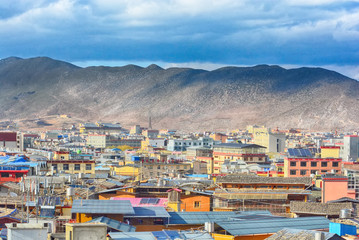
(335, 187)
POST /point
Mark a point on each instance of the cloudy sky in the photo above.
(197, 33)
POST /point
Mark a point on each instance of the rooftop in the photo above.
(319, 208)
(273, 225)
(237, 145)
(123, 227)
(102, 207)
(246, 178)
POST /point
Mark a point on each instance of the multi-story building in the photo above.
(153, 142)
(350, 151)
(304, 166)
(103, 141)
(136, 130)
(219, 137)
(183, 144)
(249, 153)
(100, 128)
(72, 166)
(152, 168)
(273, 141)
(11, 140)
(96, 140)
(150, 133)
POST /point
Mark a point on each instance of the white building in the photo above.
(350, 150)
(27, 231)
(183, 144)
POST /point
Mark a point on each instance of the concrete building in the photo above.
(150, 133)
(79, 231)
(350, 148)
(11, 140)
(27, 231)
(72, 166)
(249, 153)
(136, 130)
(153, 142)
(305, 166)
(273, 141)
(97, 141)
(183, 144)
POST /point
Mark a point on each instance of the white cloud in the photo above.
(204, 26)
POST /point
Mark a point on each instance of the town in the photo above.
(103, 181)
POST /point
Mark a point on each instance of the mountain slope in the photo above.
(182, 98)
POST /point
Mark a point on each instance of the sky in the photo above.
(194, 33)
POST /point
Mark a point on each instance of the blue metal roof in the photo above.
(102, 207)
(149, 212)
(197, 235)
(297, 233)
(132, 235)
(249, 227)
(199, 217)
(123, 227)
(161, 235)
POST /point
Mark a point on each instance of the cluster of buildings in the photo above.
(101, 181)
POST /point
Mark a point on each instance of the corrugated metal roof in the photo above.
(287, 233)
(132, 235)
(197, 235)
(149, 212)
(123, 227)
(199, 217)
(248, 227)
(102, 206)
(161, 235)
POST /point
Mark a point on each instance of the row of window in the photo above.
(77, 167)
(165, 167)
(304, 172)
(314, 164)
(194, 144)
(6, 175)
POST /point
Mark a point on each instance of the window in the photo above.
(335, 164)
(303, 172)
(324, 164)
(4, 174)
(54, 166)
(18, 175)
(196, 204)
(313, 171)
(293, 164)
(303, 164)
(88, 167)
(313, 164)
(293, 172)
(65, 166)
(77, 167)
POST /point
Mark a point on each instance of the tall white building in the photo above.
(350, 150)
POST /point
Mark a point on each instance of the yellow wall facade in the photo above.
(330, 153)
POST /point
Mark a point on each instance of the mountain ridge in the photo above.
(184, 98)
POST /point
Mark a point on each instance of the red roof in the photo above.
(8, 136)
